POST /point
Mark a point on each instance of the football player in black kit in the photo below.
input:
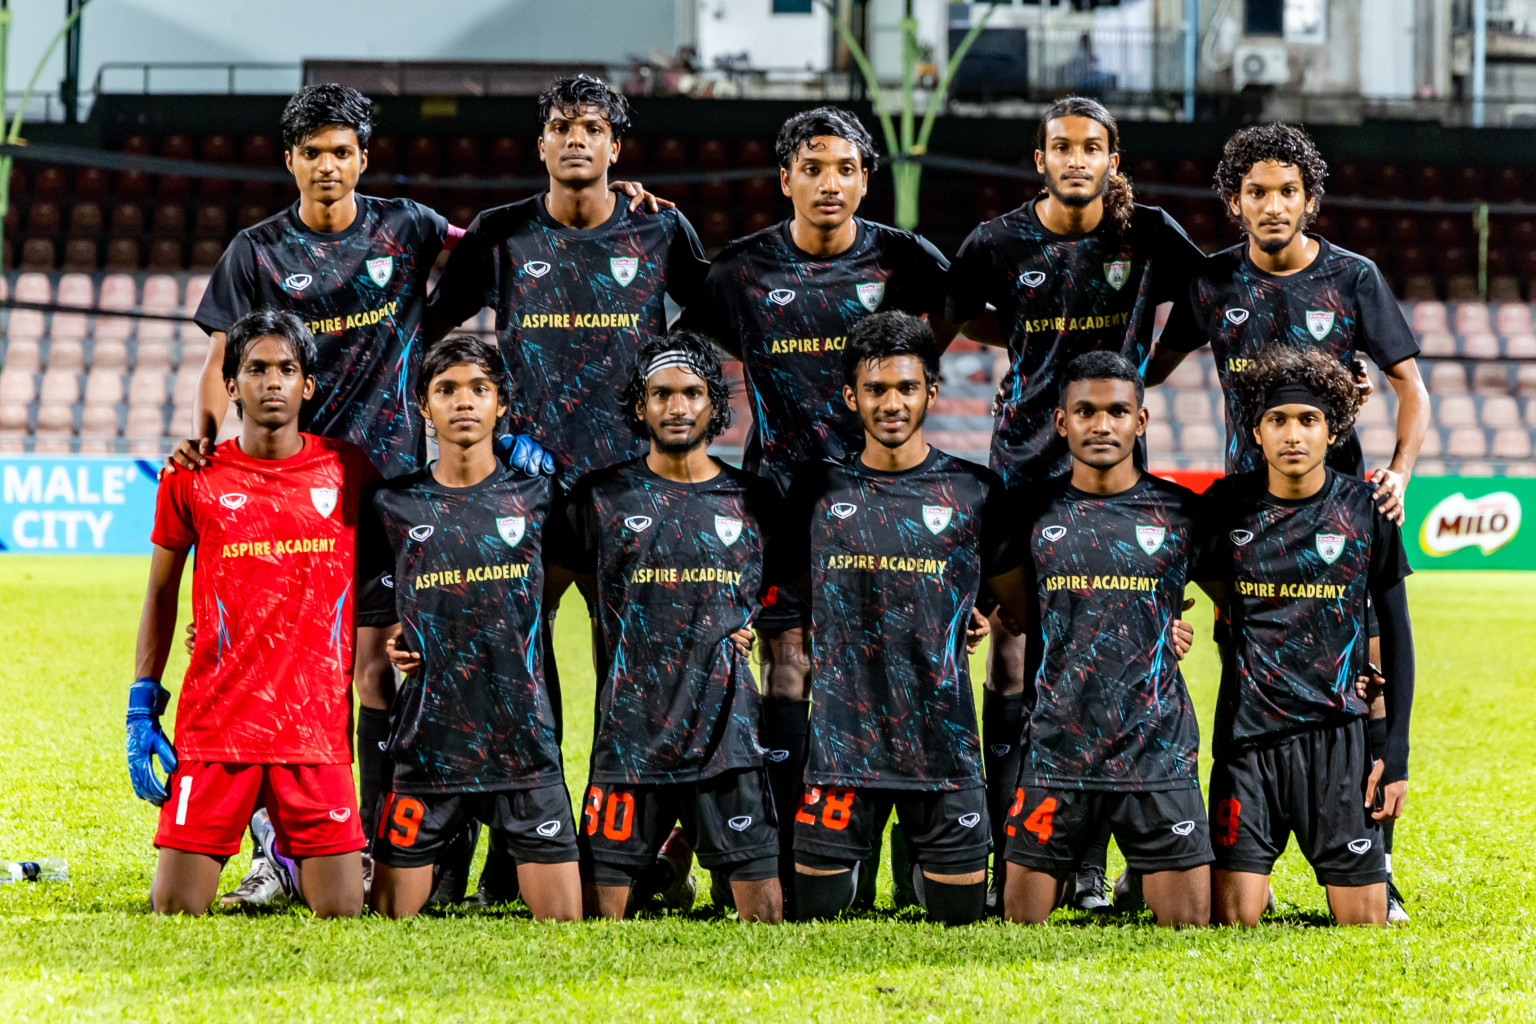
(1283, 285)
(1111, 742)
(1293, 550)
(783, 301)
(672, 544)
(472, 730)
(1078, 268)
(891, 546)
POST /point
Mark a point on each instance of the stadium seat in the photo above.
(137, 145)
(44, 219)
(505, 157)
(80, 254)
(1419, 286)
(103, 387)
(59, 386)
(176, 147)
(1520, 346)
(18, 386)
(1490, 378)
(127, 221)
(423, 156)
(250, 215)
(173, 188)
(1499, 411)
(144, 429)
(92, 184)
(147, 387)
(1378, 442)
(712, 156)
(131, 186)
(1461, 287)
(23, 353)
(211, 222)
(184, 384)
(205, 254)
(1525, 379)
(1437, 343)
(260, 151)
(152, 355)
(1200, 439)
(464, 156)
(169, 221)
(1471, 318)
(1512, 318)
(85, 220)
(1429, 316)
(109, 354)
(1466, 443)
(1447, 378)
(1192, 406)
(670, 156)
(25, 324)
(66, 354)
(122, 255)
(164, 254)
(1481, 345)
(13, 428)
(1512, 443)
(50, 183)
(98, 429)
(1434, 446)
(1508, 185)
(1503, 288)
(55, 427)
(161, 294)
(1455, 411)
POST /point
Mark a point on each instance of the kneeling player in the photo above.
(264, 709)
(897, 540)
(1295, 548)
(1111, 744)
(472, 731)
(675, 540)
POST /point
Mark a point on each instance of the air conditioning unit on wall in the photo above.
(1260, 64)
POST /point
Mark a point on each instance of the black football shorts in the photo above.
(535, 824)
(729, 817)
(1050, 829)
(946, 830)
(1311, 784)
(786, 612)
(375, 604)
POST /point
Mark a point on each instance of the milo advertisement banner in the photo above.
(1465, 522)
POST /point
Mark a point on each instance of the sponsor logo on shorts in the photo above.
(298, 282)
(233, 501)
(388, 581)
(999, 749)
(1054, 532)
(1237, 316)
(969, 820)
(538, 268)
(740, 822)
(778, 755)
(341, 814)
(843, 510)
(638, 523)
(1241, 537)
(549, 828)
(781, 296)
(1033, 278)
(1184, 828)
(1360, 846)
(420, 532)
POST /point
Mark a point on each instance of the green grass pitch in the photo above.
(89, 949)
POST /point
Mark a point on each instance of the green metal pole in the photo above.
(1480, 221)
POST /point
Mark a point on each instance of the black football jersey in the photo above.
(1111, 709)
(573, 306)
(1339, 303)
(788, 314)
(467, 567)
(1298, 574)
(679, 568)
(1058, 296)
(896, 560)
(361, 291)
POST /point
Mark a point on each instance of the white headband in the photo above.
(669, 359)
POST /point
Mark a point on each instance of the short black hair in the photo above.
(885, 335)
(1312, 368)
(1284, 144)
(569, 94)
(803, 127)
(1100, 364)
(269, 323)
(323, 105)
(461, 350)
(1079, 106)
(703, 359)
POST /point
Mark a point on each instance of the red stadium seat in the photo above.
(211, 222)
(1419, 286)
(1389, 182)
(754, 153)
(176, 147)
(165, 254)
(131, 186)
(137, 145)
(1429, 183)
(260, 151)
(92, 183)
(85, 220)
(173, 188)
(169, 221)
(37, 254)
(44, 219)
(716, 192)
(464, 156)
(1143, 169)
(383, 154)
(1468, 183)
(1190, 173)
(758, 220)
(1347, 179)
(505, 158)
(50, 183)
(712, 156)
(250, 215)
(1461, 287)
(423, 156)
(716, 229)
(756, 192)
(215, 190)
(670, 157)
(1508, 185)
(205, 254)
(1450, 230)
(217, 149)
(80, 254)
(634, 156)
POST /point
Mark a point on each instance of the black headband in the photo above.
(1292, 393)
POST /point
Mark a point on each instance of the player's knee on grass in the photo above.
(1179, 899)
(821, 895)
(945, 897)
(184, 883)
(333, 885)
(1358, 904)
(1238, 897)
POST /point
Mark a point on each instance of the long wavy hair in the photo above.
(1118, 197)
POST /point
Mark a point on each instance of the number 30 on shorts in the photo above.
(836, 811)
(617, 818)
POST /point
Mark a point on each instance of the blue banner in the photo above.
(77, 504)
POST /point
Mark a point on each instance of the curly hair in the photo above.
(1118, 195)
(1312, 368)
(703, 359)
(1284, 144)
(323, 105)
(462, 350)
(568, 95)
(823, 121)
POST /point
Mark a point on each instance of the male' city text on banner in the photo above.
(76, 505)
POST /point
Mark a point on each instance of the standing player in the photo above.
(674, 540)
(783, 301)
(1282, 285)
(264, 711)
(1076, 269)
(1112, 743)
(1294, 549)
(896, 541)
(472, 729)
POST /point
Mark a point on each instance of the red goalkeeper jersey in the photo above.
(272, 599)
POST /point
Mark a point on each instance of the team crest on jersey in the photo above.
(871, 294)
(1117, 272)
(728, 528)
(324, 499)
(538, 268)
(638, 523)
(1237, 316)
(1033, 278)
(1150, 537)
(1359, 846)
(1241, 537)
(1330, 546)
(232, 501)
(298, 282)
(1054, 532)
(419, 533)
(781, 296)
(624, 269)
(970, 820)
(1319, 322)
(740, 822)
(380, 269)
(936, 517)
(511, 529)
(843, 510)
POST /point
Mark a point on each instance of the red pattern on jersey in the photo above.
(272, 599)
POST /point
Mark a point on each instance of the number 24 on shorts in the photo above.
(1039, 820)
(836, 811)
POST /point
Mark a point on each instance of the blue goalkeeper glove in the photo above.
(146, 703)
(524, 454)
